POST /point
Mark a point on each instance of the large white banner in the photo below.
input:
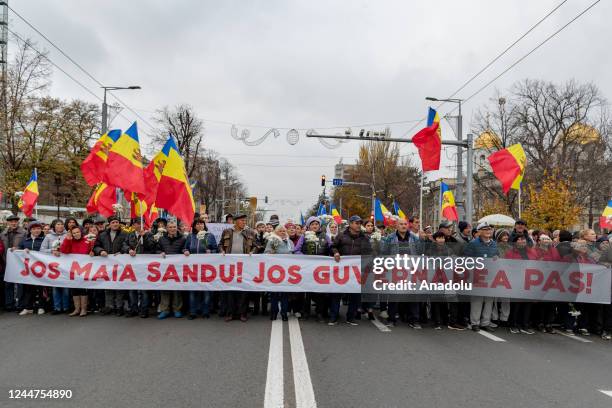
(269, 273)
(502, 278)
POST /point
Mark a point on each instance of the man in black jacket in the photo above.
(171, 243)
(352, 241)
(139, 242)
(112, 240)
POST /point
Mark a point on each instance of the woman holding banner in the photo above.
(279, 243)
(31, 293)
(76, 243)
(200, 241)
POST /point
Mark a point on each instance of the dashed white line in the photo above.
(304, 393)
(608, 393)
(577, 338)
(380, 325)
(274, 397)
(490, 336)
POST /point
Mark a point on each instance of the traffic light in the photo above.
(323, 180)
(266, 199)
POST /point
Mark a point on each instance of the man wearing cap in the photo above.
(237, 240)
(520, 228)
(139, 242)
(171, 242)
(260, 299)
(112, 241)
(403, 241)
(100, 223)
(463, 235)
(11, 237)
(352, 241)
(481, 307)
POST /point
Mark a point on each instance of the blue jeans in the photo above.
(138, 301)
(283, 298)
(353, 304)
(199, 301)
(61, 299)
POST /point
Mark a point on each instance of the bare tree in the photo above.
(562, 128)
(187, 129)
(28, 76)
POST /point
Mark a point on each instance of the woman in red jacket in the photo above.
(520, 311)
(76, 243)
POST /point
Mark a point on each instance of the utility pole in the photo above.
(3, 70)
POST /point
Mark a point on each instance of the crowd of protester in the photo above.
(318, 236)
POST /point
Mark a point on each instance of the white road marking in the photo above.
(304, 393)
(380, 325)
(274, 397)
(490, 336)
(577, 338)
(608, 393)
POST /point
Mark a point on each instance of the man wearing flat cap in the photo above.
(112, 241)
(11, 237)
(236, 240)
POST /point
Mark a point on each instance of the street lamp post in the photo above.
(105, 106)
(459, 176)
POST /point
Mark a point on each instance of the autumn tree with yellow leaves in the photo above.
(552, 205)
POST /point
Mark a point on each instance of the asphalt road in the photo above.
(115, 361)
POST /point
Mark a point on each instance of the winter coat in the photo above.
(50, 238)
(527, 254)
(33, 244)
(118, 246)
(462, 241)
(551, 254)
(435, 249)
(200, 246)
(389, 245)
(12, 239)
(321, 247)
(349, 244)
(171, 245)
(476, 248)
(248, 241)
(141, 244)
(277, 245)
(260, 243)
(76, 246)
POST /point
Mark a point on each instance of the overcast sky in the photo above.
(309, 64)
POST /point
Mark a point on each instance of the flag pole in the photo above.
(519, 199)
(36, 205)
(421, 200)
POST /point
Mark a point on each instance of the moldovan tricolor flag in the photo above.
(398, 211)
(378, 211)
(28, 199)
(321, 211)
(94, 165)
(447, 203)
(124, 163)
(102, 200)
(153, 172)
(605, 221)
(429, 142)
(174, 192)
(508, 165)
(335, 214)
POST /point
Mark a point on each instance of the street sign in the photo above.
(337, 182)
